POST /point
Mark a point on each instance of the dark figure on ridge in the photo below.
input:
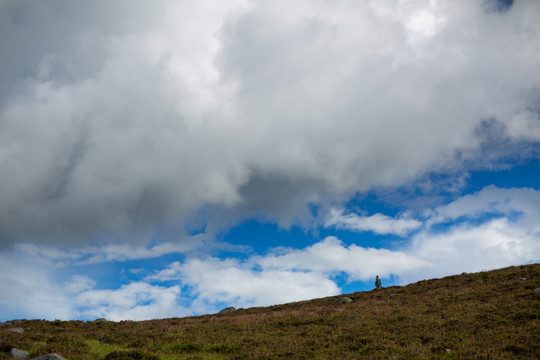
(378, 283)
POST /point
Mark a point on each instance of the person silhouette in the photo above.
(378, 283)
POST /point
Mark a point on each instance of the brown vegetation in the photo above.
(487, 315)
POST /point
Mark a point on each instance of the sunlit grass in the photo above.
(100, 350)
(488, 315)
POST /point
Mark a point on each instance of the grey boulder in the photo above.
(227, 310)
(12, 322)
(343, 300)
(15, 353)
(17, 330)
(50, 357)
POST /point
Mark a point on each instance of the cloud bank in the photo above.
(122, 121)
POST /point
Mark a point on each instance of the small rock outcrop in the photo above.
(227, 310)
(15, 353)
(12, 322)
(536, 291)
(17, 330)
(50, 357)
(343, 300)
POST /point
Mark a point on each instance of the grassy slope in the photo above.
(487, 315)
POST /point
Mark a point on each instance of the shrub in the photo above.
(130, 355)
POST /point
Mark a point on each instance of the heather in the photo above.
(486, 315)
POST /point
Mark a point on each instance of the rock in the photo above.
(100, 320)
(343, 300)
(521, 279)
(16, 330)
(536, 291)
(227, 310)
(50, 357)
(18, 354)
(12, 322)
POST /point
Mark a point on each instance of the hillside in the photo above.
(487, 315)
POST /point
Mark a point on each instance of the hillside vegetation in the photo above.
(487, 315)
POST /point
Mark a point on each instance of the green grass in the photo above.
(487, 315)
(100, 350)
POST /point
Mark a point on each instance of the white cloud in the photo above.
(518, 204)
(47, 255)
(378, 223)
(241, 284)
(331, 256)
(28, 291)
(492, 245)
(123, 252)
(525, 125)
(135, 301)
(80, 283)
(112, 252)
(172, 272)
(489, 229)
(291, 275)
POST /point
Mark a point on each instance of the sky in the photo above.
(172, 158)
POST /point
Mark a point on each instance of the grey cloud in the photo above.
(281, 197)
(125, 118)
(32, 32)
(386, 101)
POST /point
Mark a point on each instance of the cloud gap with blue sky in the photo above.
(164, 159)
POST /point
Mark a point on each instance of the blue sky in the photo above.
(164, 159)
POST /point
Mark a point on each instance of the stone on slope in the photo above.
(15, 353)
(16, 330)
(343, 300)
(227, 310)
(12, 322)
(50, 357)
